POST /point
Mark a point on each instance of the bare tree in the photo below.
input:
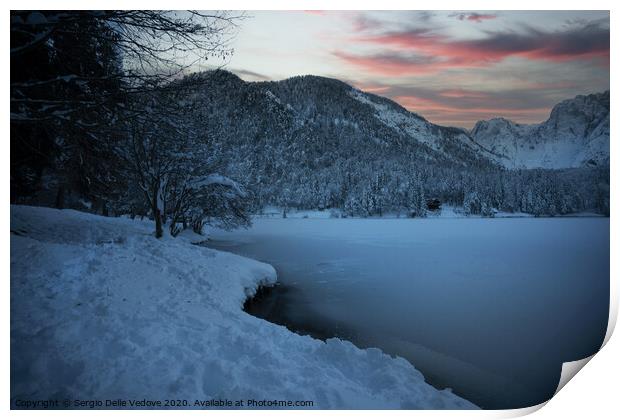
(150, 48)
(174, 164)
(81, 82)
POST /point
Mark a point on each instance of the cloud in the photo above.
(392, 64)
(251, 75)
(463, 107)
(316, 12)
(425, 15)
(421, 50)
(473, 16)
(446, 113)
(585, 41)
(362, 23)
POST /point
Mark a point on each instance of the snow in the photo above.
(457, 212)
(100, 309)
(445, 212)
(217, 179)
(277, 212)
(416, 127)
(273, 97)
(576, 134)
(398, 119)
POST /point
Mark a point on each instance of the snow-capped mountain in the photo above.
(306, 112)
(576, 134)
(314, 142)
(441, 139)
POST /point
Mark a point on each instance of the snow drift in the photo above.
(100, 309)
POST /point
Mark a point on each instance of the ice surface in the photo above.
(489, 307)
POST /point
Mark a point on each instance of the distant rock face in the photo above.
(576, 134)
(451, 142)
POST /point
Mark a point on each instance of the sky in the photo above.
(453, 68)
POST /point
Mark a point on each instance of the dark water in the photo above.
(489, 308)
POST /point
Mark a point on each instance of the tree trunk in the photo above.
(60, 197)
(159, 231)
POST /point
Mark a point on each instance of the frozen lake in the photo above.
(488, 307)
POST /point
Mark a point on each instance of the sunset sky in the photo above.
(454, 68)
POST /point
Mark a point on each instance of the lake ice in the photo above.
(488, 307)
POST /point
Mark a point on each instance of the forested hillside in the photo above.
(313, 142)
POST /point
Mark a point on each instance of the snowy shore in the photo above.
(446, 212)
(101, 310)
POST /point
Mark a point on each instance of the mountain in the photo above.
(576, 134)
(327, 110)
(309, 140)
(313, 142)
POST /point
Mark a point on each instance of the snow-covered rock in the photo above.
(576, 134)
(451, 142)
(100, 309)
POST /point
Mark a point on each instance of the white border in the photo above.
(593, 394)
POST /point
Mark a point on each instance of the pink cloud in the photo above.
(316, 12)
(388, 64)
(441, 113)
(423, 51)
(462, 107)
(474, 17)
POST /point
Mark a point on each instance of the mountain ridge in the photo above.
(575, 134)
(312, 142)
(555, 143)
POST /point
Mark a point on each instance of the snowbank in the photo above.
(446, 212)
(100, 309)
(273, 212)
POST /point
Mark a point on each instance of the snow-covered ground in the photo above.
(100, 309)
(446, 212)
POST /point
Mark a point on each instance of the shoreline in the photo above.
(266, 304)
(126, 294)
